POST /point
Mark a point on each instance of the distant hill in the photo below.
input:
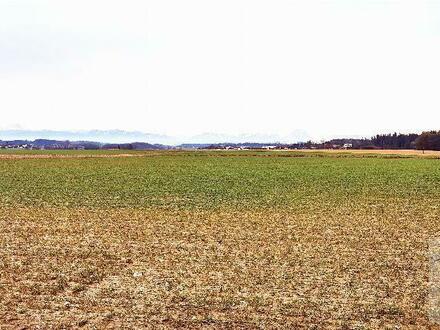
(136, 146)
(45, 144)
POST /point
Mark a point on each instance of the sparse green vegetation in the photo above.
(214, 181)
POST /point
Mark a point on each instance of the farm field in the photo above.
(168, 239)
(401, 153)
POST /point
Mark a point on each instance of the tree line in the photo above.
(425, 141)
(428, 141)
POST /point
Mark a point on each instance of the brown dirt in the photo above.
(405, 152)
(361, 267)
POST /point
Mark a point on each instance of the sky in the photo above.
(330, 68)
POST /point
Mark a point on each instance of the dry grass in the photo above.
(62, 154)
(363, 267)
(182, 241)
(403, 152)
(67, 156)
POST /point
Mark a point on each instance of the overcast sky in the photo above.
(332, 68)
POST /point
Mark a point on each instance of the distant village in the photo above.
(88, 145)
(425, 141)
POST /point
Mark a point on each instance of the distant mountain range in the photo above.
(107, 136)
(120, 136)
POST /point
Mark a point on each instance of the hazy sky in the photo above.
(231, 66)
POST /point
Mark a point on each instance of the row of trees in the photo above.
(425, 141)
(395, 141)
(428, 141)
